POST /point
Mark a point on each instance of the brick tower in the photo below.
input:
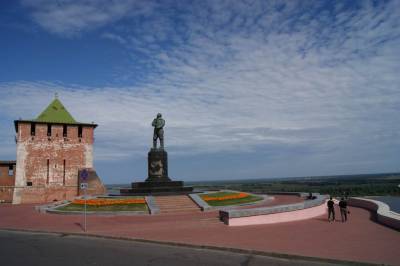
(51, 150)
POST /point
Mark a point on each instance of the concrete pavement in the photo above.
(18, 248)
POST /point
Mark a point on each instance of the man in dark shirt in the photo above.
(343, 209)
(331, 209)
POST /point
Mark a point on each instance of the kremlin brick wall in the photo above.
(48, 164)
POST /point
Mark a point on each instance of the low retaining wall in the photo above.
(275, 214)
(199, 201)
(383, 213)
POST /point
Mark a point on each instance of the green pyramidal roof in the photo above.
(56, 113)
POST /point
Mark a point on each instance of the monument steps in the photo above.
(175, 207)
(176, 211)
(181, 203)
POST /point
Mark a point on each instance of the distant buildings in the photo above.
(51, 150)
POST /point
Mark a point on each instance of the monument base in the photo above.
(156, 188)
(158, 182)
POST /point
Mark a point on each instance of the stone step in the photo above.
(174, 200)
(177, 207)
(173, 197)
(170, 204)
(188, 200)
(178, 210)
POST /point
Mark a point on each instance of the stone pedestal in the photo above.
(157, 166)
(157, 182)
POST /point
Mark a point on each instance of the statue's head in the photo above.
(158, 115)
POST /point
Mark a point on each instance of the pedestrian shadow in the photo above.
(80, 226)
(325, 220)
(321, 219)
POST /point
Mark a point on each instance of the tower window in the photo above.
(48, 130)
(33, 129)
(65, 132)
(29, 183)
(79, 131)
(10, 170)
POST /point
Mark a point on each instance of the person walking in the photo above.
(343, 209)
(331, 209)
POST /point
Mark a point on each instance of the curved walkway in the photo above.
(360, 239)
(384, 214)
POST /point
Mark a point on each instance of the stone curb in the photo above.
(46, 207)
(199, 201)
(151, 203)
(52, 208)
(105, 213)
(207, 247)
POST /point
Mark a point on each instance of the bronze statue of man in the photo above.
(158, 124)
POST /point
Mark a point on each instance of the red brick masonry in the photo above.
(7, 180)
(360, 239)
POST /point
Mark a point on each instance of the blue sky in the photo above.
(249, 89)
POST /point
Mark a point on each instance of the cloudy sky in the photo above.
(249, 89)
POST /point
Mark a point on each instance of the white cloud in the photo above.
(239, 77)
(69, 17)
(114, 37)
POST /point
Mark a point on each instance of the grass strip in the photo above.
(248, 199)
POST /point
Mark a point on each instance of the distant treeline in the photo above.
(358, 185)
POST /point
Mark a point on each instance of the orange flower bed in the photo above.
(227, 197)
(107, 202)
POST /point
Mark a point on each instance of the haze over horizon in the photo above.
(248, 89)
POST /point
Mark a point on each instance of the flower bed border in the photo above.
(204, 206)
(52, 208)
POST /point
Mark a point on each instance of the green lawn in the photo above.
(220, 194)
(125, 207)
(227, 202)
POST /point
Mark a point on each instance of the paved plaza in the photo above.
(26, 248)
(360, 239)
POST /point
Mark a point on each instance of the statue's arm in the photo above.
(153, 123)
(162, 122)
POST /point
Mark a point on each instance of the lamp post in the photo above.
(84, 175)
